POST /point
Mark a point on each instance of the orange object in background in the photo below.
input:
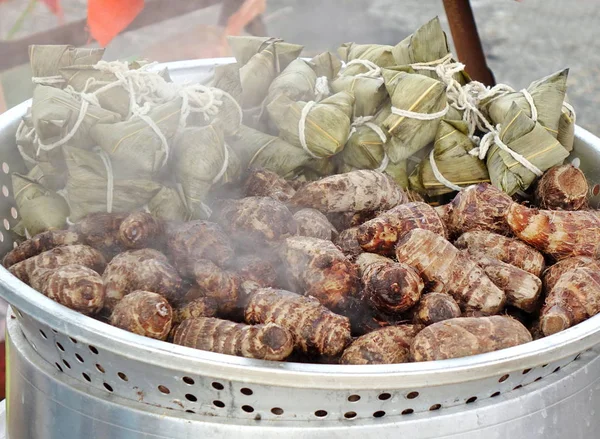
(107, 18)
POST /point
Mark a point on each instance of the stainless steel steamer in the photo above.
(70, 376)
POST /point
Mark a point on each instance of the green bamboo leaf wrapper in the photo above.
(419, 94)
(376, 53)
(327, 124)
(528, 138)
(257, 75)
(245, 47)
(326, 64)
(566, 129)
(227, 78)
(48, 60)
(364, 148)
(369, 93)
(451, 153)
(297, 82)
(169, 204)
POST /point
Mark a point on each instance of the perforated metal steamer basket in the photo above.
(70, 376)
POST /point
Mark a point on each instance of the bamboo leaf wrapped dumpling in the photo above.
(297, 82)
(566, 126)
(416, 94)
(245, 47)
(378, 54)
(326, 123)
(451, 155)
(169, 204)
(369, 93)
(326, 65)
(529, 139)
(227, 78)
(47, 60)
(365, 148)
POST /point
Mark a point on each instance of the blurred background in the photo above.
(523, 40)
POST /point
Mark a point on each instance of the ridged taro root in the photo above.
(346, 220)
(347, 241)
(262, 342)
(560, 234)
(554, 272)
(58, 257)
(201, 307)
(255, 222)
(467, 336)
(318, 268)
(145, 270)
(435, 307)
(388, 286)
(141, 230)
(256, 269)
(522, 289)
(385, 346)
(313, 223)
(446, 269)
(315, 328)
(562, 188)
(479, 207)
(382, 233)
(265, 183)
(74, 286)
(40, 243)
(351, 192)
(199, 240)
(101, 231)
(574, 298)
(144, 313)
(509, 250)
(220, 285)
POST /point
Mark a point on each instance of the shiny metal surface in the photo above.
(83, 358)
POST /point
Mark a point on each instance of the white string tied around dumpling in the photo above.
(110, 179)
(420, 116)
(302, 128)
(571, 110)
(366, 121)
(529, 99)
(48, 80)
(322, 88)
(373, 70)
(438, 175)
(142, 113)
(82, 114)
(224, 166)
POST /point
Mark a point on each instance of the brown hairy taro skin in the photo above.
(350, 192)
(381, 234)
(346, 220)
(256, 269)
(201, 307)
(197, 240)
(313, 223)
(141, 230)
(316, 267)
(509, 250)
(562, 187)
(479, 207)
(220, 285)
(40, 243)
(435, 307)
(465, 336)
(388, 286)
(445, 269)
(144, 313)
(388, 345)
(59, 256)
(347, 241)
(265, 183)
(523, 290)
(262, 342)
(554, 272)
(315, 328)
(101, 231)
(574, 298)
(557, 233)
(74, 286)
(144, 269)
(255, 222)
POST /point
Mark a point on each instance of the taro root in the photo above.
(262, 342)
(388, 286)
(574, 298)
(144, 269)
(318, 268)
(220, 285)
(563, 187)
(385, 346)
(58, 257)
(346, 220)
(255, 222)
(101, 231)
(313, 223)
(381, 234)
(143, 313)
(509, 250)
(350, 192)
(435, 307)
(445, 269)
(74, 286)
(199, 240)
(201, 307)
(552, 274)
(347, 241)
(141, 230)
(315, 328)
(265, 183)
(256, 269)
(40, 243)
(479, 207)
(560, 234)
(522, 289)
(465, 336)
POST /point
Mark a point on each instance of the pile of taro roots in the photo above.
(348, 269)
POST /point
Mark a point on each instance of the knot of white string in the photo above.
(420, 116)
(438, 175)
(142, 113)
(302, 128)
(366, 121)
(48, 80)
(322, 88)
(224, 166)
(373, 70)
